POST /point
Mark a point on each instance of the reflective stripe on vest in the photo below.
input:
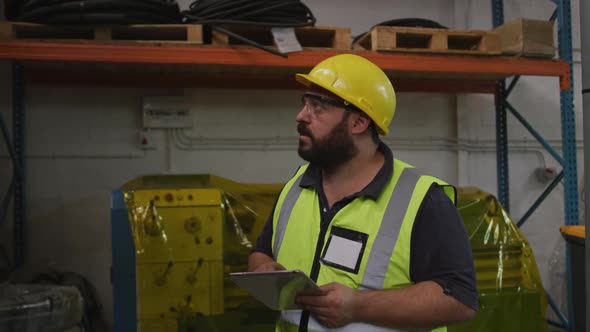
(285, 213)
(389, 230)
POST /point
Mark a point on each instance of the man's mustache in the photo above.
(303, 130)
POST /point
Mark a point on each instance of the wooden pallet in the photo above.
(425, 40)
(309, 37)
(137, 33)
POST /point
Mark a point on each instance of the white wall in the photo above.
(81, 142)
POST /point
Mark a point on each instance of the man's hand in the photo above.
(259, 262)
(269, 266)
(333, 309)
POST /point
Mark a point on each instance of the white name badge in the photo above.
(344, 249)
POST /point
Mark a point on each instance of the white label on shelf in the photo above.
(286, 40)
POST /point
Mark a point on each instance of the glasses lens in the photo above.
(316, 104)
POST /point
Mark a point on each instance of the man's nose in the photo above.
(303, 115)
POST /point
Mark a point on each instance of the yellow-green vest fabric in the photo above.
(388, 221)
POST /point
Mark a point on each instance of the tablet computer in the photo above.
(276, 289)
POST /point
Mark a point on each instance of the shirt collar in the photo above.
(312, 177)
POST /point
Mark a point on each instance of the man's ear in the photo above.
(360, 123)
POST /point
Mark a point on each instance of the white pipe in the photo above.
(185, 142)
(168, 151)
(62, 155)
(185, 139)
(178, 140)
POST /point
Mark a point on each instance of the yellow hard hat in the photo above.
(357, 81)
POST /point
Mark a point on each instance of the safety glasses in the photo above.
(316, 105)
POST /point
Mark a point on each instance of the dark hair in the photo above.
(374, 133)
(372, 126)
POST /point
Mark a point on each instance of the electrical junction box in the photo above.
(166, 112)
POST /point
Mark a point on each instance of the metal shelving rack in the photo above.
(15, 147)
(568, 157)
(410, 72)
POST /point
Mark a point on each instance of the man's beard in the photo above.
(334, 149)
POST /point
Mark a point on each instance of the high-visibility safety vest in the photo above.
(379, 230)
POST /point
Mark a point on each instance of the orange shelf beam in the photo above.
(185, 80)
(409, 63)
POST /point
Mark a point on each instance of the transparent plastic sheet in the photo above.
(557, 287)
(511, 295)
(189, 231)
(246, 209)
(39, 308)
(146, 223)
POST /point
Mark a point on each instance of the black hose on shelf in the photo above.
(99, 12)
(248, 41)
(275, 13)
(11, 8)
(404, 22)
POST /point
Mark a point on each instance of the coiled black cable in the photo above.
(404, 22)
(275, 13)
(99, 11)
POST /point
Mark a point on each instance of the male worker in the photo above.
(384, 242)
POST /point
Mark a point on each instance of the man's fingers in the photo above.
(313, 300)
(329, 287)
(313, 305)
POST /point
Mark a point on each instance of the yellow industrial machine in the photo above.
(175, 239)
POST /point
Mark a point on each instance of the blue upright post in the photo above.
(568, 134)
(123, 267)
(501, 126)
(568, 118)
